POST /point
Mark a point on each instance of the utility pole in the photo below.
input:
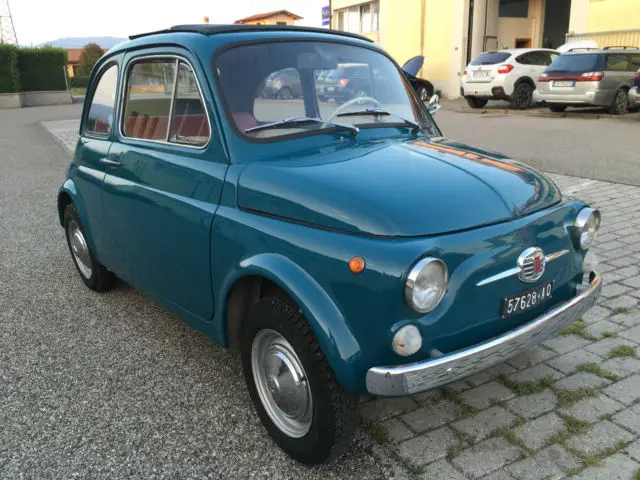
(7, 29)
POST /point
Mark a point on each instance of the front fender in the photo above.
(68, 189)
(336, 339)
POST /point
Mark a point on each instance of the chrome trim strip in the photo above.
(516, 270)
(122, 102)
(425, 375)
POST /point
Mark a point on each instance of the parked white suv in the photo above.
(510, 74)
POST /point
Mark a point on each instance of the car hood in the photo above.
(417, 188)
(413, 65)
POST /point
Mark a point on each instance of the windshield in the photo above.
(587, 62)
(491, 58)
(271, 82)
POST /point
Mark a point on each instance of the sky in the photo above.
(39, 21)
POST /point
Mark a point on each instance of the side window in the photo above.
(100, 116)
(189, 122)
(524, 59)
(634, 63)
(553, 57)
(148, 99)
(617, 62)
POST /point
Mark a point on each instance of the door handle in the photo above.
(109, 162)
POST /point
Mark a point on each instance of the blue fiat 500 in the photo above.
(345, 248)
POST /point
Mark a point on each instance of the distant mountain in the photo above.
(79, 42)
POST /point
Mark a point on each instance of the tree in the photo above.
(91, 53)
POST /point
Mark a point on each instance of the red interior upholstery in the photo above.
(155, 128)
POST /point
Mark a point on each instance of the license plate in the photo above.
(563, 83)
(480, 74)
(517, 304)
(330, 89)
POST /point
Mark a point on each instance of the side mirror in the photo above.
(434, 104)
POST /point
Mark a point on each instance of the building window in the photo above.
(514, 8)
(359, 19)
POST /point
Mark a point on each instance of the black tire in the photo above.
(522, 97)
(557, 108)
(620, 104)
(476, 102)
(285, 93)
(334, 415)
(100, 279)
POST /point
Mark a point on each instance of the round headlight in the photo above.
(587, 225)
(426, 284)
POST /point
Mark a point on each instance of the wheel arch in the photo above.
(525, 79)
(268, 274)
(69, 194)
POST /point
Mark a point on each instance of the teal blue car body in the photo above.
(295, 211)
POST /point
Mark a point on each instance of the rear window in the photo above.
(588, 62)
(491, 58)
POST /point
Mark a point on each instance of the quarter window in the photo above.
(100, 116)
(617, 63)
(189, 124)
(163, 103)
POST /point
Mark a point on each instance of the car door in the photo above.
(96, 134)
(616, 72)
(162, 191)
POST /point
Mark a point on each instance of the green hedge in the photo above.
(42, 68)
(9, 73)
(79, 81)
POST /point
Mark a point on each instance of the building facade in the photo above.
(608, 22)
(450, 33)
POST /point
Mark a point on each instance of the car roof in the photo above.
(585, 51)
(242, 28)
(516, 51)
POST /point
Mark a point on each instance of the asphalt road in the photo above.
(584, 144)
(110, 386)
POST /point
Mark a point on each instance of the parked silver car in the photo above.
(508, 74)
(590, 78)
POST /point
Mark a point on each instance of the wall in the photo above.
(579, 18)
(607, 15)
(511, 28)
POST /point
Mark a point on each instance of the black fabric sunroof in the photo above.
(214, 29)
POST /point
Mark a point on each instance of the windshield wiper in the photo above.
(376, 112)
(294, 121)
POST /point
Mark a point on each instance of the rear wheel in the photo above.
(522, 96)
(93, 274)
(557, 108)
(620, 104)
(476, 102)
(297, 397)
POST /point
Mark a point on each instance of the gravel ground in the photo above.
(112, 386)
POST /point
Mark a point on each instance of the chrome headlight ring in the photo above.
(426, 284)
(586, 226)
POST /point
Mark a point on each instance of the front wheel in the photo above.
(476, 102)
(297, 397)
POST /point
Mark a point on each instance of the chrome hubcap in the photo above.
(281, 383)
(79, 249)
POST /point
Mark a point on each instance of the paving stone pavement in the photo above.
(579, 416)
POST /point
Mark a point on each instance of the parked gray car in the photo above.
(590, 78)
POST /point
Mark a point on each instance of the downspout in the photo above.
(486, 16)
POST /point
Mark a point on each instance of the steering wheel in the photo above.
(348, 103)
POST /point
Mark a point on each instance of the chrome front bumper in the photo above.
(421, 376)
